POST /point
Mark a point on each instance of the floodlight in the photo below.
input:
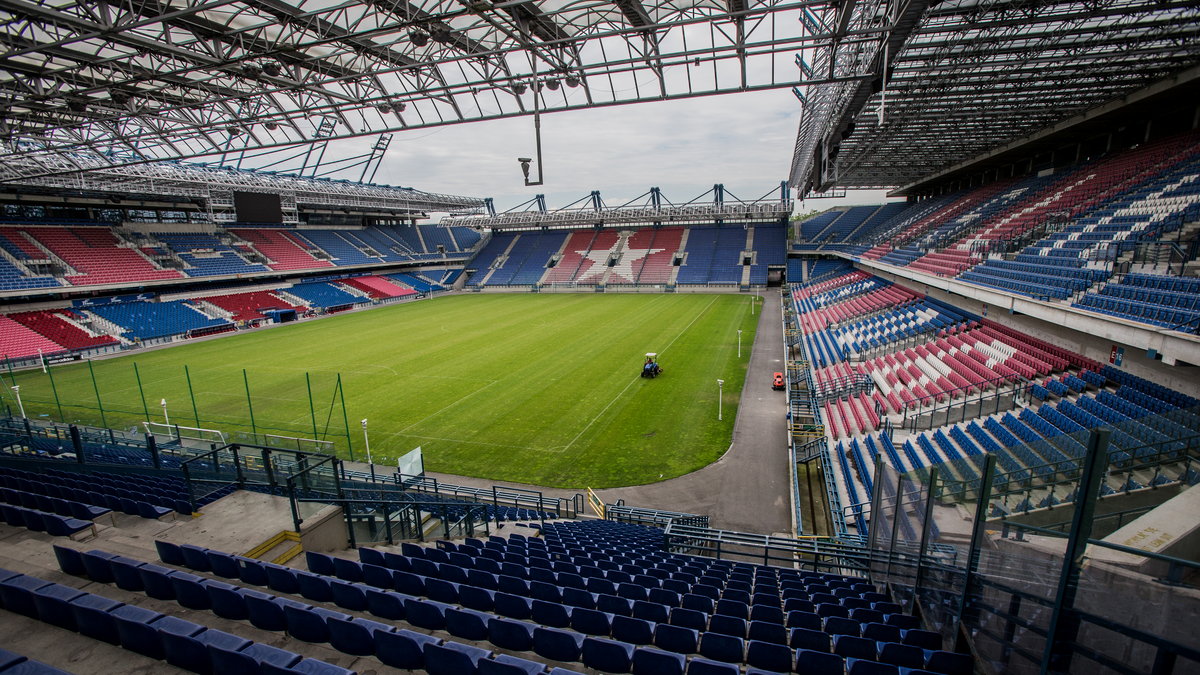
(572, 81)
(552, 84)
(272, 68)
(418, 38)
(519, 88)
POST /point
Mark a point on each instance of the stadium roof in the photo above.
(972, 75)
(257, 82)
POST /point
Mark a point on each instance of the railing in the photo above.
(967, 406)
(497, 495)
(638, 515)
(825, 554)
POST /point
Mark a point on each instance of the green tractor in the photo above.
(651, 368)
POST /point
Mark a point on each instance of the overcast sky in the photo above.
(744, 141)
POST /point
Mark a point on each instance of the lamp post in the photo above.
(720, 395)
(739, 343)
(367, 445)
(166, 418)
(21, 406)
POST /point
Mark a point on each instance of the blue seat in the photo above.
(591, 621)
(136, 630)
(93, 619)
(453, 658)
(478, 598)
(905, 656)
(547, 613)
(949, 663)
(868, 667)
(468, 624)
(689, 618)
(156, 581)
(98, 570)
(766, 631)
(881, 632)
(347, 570)
(281, 579)
(702, 666)
(769, 656)
(853, 647)
(441, 590)
(633, 631)
(836, 625)
(513, 606)
(226, 600)
(504, 664)
(320, 563)
(651, 661)
(310, 624)
(249, 659)
(345, 594)
(70, 561)
(314, 586)
(902, 621)
(610, 656)
(557, 645)
(698, 603)
(152, 511)
(253, 572)
(510, 634)
(680, 639)
(819, 663)
(815, 640)
(189, 590)
(223, 565)
(126, 573)
(355, 636)
(403, 648)
(16, 594)
(305, 666)
(540, 590)
(721, 647)
(409, 583)
(577, 597)
(378, 576)
(384, 604)
(727, 625)
(425, 613)
(9, 659)
(52, 604)
(267, 611)
(195, 557)
(925, 639)
(191, 650)
(653, 612)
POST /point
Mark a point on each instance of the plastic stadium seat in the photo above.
(702, 666)
(867, 667)
(281, 579)
(195, 557)
(348, 595)
(189, 590)
(355, 636)
(765, 631)
(16, 594)
(609, 656)
(227, 600)
(70, 561)
(253, 572)
(377, 576)
(925, 639)
(905, 656)
(403, 649)
(267, 611)
(698, 603)
(727, 625)
(477, 598)
(949, 663)
(189, 650)
(314, 586)
(836, 625)
(591, 621)
(134, 626)
(510, 634)
(439, 590)
(425, 613)
(93, 618)
(557, 645)
(505, 664)
(651, 611)
(170, 553)
(614, 605)
(854, 647)
(633, 631)
(250, 659)
(678, 639)
(319, 563)
(651, 661)
(384, 604)
(453, 658)
(53, 604)
(881, 632)
(305, 666)
(223, 564)
(551, 614)
(903, 621)
(467, 623)
(819, 663)
(98, 569)
(813, 640)
(309, 623)
(347, 570)
(689, 618)
(9, 659)
(127, 573)
(722, 647)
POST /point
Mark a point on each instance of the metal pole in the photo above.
(312, 411)
(720, 395)
(250, 405)
(345, 418)
(195, 411)
(96, 388)
(926, 533)
(1064, 622)
(166, 417)
(142, 392)
(57, 403)
(739, 343)
(367, 445)
(977, 532)
(21, 406)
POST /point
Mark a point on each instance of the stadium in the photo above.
(929, 404)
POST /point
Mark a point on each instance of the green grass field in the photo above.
(541, 389)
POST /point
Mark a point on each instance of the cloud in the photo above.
(744, 141)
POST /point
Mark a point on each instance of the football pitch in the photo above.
(532, 388)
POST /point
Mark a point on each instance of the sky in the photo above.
(684, 147)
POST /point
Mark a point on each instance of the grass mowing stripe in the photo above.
(490, 385)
